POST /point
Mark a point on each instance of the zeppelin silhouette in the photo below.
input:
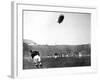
(61, 18)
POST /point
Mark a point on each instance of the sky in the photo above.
(42, 27)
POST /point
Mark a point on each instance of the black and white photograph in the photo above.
(54, 39)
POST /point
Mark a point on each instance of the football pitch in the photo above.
(59, 62)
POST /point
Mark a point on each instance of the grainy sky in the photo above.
(42, 28)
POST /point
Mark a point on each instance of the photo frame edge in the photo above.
(14, 63)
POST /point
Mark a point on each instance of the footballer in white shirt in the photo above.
(36, 58)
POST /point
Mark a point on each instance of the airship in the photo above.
(61, 18)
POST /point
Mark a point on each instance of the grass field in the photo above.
(60, 62)
(68, 55)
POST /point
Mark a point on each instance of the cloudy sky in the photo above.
(42, 28)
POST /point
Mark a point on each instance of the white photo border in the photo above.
(17, 41)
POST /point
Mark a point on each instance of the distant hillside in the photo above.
(49, 50)
(29, 42)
